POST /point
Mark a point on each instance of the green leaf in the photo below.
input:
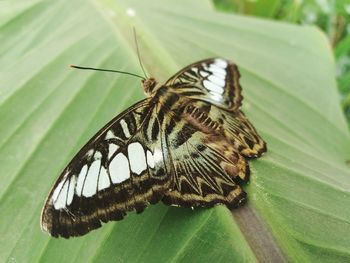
(267, 8)
(343, 48)
(299, 201)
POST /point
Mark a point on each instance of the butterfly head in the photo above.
(149, 85)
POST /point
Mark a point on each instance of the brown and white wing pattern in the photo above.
(240, 133)
(206, 175)
(120, 169)
(208, 146)
(212, 138)
(213, 80)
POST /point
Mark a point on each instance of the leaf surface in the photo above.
(299, 190)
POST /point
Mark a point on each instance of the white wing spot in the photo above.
(90, 184)
(98, 155)
(220, 72)
(112, 148)
(72, 183)
(203, 73)
(157, 156)
(57, 190)
(125, 128)
(60, 202)
(215, 96)
(90, 152)
(103, 180)
(119, 168)
(213, 87)
(137, 157)
(220, 63)
(150, 159)
(195, 70)
(80, 182)
(110, 135)
(217, 80)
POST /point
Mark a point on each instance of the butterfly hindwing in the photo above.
(213, 80)
(240, 132)
(119, 170)
(208, 169)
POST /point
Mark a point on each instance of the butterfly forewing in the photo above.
(120, 169)
(213, 80)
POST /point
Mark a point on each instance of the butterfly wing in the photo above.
(212, 137)
(207, 175)
(120, 169)
(208, 149)
(213, 80)
(240, 132)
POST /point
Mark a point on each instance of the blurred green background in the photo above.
(330, 16)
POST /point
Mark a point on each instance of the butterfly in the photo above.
(187, 145)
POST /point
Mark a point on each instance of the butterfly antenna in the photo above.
(138, 53)
(108, 70)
